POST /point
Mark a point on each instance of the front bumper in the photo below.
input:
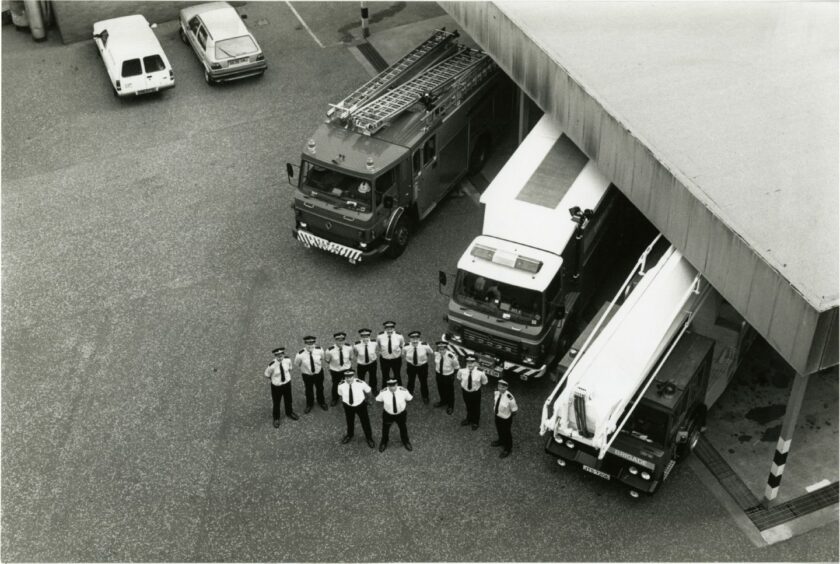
(494, 367)
(353, 255)
(610, 468)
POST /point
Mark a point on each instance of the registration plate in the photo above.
(596, 472)
(492, 373)
(237, 61)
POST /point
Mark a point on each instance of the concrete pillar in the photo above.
(365, 29)
(36, 20)
(797, 392)
(523, 115)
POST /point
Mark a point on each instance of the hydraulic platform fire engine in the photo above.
(390, 151)
(634, 399)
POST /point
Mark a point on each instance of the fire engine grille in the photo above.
(504, 346)
(331, 235)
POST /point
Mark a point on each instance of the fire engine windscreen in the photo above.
(498, 299)
(347, 191)
(647, 424)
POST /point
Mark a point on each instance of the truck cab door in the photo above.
(426, 181)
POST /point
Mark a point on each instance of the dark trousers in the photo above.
(399, 419)
(503, 428)
(283, 392)
(421, 370)
(446, 388)
(349, 415)
(337, 377)
(472, 400)
(312, 385)
(391, 365)
(363, 370)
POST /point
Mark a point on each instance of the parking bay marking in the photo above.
(303, 23)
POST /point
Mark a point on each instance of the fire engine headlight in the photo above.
(528, 360)
(363, 245)
(645, 476)
(570, 443)
(633, 470)
(302, 225)
(456, 338)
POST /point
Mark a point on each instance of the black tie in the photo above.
(311, 362)
(415, 355)
(340, 355)
(394, 397)
(440, 364)
(469, 381)
(498, 400)
(367, 358)
(350, 385)
(389, 344)
(282, 373)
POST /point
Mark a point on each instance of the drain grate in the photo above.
(372, 55)
(762, 517)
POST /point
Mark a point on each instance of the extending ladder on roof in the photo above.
(376, 114)
(437, 44)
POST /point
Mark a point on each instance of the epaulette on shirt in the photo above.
(381, 333)
(358, 343)
(301, 351)
(508, 395)
(424, 343)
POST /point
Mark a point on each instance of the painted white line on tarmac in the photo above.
(303, 23)
(818, 486)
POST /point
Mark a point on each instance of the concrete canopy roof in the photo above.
(718, 120)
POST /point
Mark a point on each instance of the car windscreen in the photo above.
(346, 190)
(235, 47)
(131, 67)
(498, 299)
(153, 63)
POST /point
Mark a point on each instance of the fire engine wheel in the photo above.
(479, 154)
(399, 240)
(691, 442)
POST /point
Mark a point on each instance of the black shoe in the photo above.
(276, 423)
(474, 426)
(308, 409)
(371, 444)
(408, 446)
(382, 447)
(333, 402)
(465, 422)
(425, 400)
(323, 406)
(504, 454)
(293, 416)
(449, 410)
(496, 443)
(440, 403)
(346, 439)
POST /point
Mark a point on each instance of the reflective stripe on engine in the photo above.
(310, 240)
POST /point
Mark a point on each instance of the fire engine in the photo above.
(389, 152)
(553, 224)
(634, 399)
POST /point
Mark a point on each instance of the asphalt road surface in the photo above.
(149, 269)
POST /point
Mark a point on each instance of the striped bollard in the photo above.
(797, 392)
(365, 29)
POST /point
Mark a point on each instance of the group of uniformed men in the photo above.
(389, 348)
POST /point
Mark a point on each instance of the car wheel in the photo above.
(183, 35)
(399, 240)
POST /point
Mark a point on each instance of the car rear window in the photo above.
(153, 63)
(131, 67)
(235, 47)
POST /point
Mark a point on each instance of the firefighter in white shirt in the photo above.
(309, 360)
(391, 345)
(279, 372)
(417, 354)
(366, 352)
(353, 394)
(339, 358)
(394, 400)
(471, 379)
(446, 366)
(504, 408)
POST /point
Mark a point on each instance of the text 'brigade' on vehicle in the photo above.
(390, 151)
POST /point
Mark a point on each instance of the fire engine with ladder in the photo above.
(634, 398)
(389, 152)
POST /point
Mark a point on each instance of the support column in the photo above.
(365, 29)
(797, 392)
(523, 115)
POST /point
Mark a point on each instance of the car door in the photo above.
(156, 71)
(426, 181)
(131, 75)
(197, 36)
(101, 42)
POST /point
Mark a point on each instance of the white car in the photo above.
(133, 57)
(223, 44)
